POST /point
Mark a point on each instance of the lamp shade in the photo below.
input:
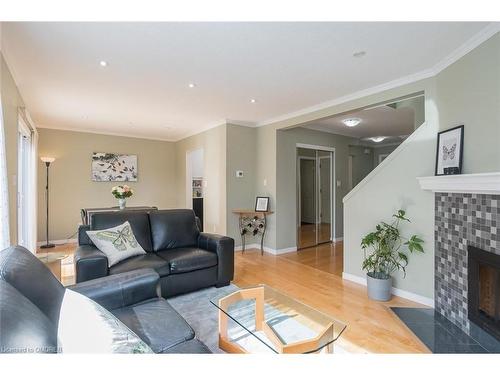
(47, 159)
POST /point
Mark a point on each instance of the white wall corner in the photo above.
(395, 291)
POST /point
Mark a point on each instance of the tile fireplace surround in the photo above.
(461, 219)
(467, 213)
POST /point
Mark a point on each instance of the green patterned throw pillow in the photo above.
(118, 243)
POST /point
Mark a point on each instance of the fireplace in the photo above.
(484, 289)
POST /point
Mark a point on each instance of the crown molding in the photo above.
(121, 134)
(458, 53)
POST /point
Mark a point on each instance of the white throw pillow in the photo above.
(118, 243)
(86, 327)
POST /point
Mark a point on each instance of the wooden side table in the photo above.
(254, 223)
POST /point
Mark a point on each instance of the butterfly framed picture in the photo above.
(449, 154)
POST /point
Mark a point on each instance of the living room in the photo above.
(204, 187)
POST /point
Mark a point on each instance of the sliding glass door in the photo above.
(314, 196)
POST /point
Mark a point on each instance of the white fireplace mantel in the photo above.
(478, 183)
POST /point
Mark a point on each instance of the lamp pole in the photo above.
(47, 245)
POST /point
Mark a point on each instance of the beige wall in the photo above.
(393, 185)
(213, 143)
(466, 93)
(240, 156)
(469, 94)
(11, 101)
(286, 177)
(71, 187)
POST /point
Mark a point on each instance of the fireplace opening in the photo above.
(484, 290)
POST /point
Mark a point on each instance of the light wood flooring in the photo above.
(314, 276)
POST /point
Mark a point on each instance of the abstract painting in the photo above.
(113, 167)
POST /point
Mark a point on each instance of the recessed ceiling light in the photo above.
(103, 63)
(351, 122)
(192, 85)
(253, 101)
(359, 53)
(377, 139)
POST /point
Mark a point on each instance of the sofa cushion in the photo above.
(97, 330)
(172, 229)
(188, 259)
(157, 323)
(140, 262)
(118, 243)
(139, 221)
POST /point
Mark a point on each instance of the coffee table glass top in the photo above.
(262, 319)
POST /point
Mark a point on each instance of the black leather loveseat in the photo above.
(31, 299)
(185, 259)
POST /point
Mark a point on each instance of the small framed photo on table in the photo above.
(262, 204)
(449, 154)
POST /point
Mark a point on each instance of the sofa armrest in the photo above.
(224, 248)
(90, 263)
(120, 290)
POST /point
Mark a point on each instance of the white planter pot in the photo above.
(379, 289)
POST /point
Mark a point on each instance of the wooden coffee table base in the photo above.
(257, 293)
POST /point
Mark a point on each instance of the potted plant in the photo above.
(122, 192)
(385, 253)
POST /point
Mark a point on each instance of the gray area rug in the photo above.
(201, 314)
(203, 317)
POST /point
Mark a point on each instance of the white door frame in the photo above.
(333, 213)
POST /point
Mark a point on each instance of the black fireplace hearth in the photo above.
(484, 290)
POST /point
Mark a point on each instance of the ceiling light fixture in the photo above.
(192, 85)
(351, 122)
(103, 63)
(377, 139)
(359, 54)
(253, 101)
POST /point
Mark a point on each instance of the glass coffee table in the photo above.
(261, 319)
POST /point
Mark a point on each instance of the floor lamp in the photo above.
(47, 160)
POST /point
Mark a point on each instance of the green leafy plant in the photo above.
(385, 248)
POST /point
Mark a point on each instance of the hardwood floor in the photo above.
(314, 276)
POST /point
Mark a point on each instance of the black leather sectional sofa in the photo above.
(31, 298)
(185, 259)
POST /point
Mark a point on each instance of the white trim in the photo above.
(478, 183)
(395, 291)
(338, 239)
(253, 246)
(314, 147)
(99, 132)
(58, 242)
(460, 52)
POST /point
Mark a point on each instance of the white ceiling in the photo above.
(380, 121)
(144, 89)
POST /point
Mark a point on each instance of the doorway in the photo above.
(315, 195)
(195, 183)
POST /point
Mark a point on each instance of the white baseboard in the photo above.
(397, 292)
(338, 239)
(58, 242)
(267, 249)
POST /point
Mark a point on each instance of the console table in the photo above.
(86, 213)
(254, 223)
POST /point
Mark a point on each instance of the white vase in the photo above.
(122, 202)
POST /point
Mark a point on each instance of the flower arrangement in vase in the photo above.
(122, 192)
